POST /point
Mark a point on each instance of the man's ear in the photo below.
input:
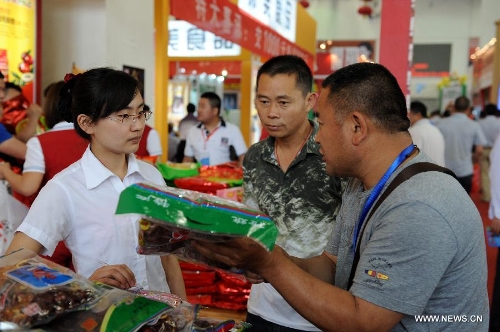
(359, 127)
(85, 123)
(311, 99)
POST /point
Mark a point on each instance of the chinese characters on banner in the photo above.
(17, 44)
(280, 15)
(226, 20)
(185, 39)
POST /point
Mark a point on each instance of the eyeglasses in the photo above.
(129, 119)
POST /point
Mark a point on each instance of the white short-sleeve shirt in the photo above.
(78, 206)
(153, 143)
(213, 149)
(35, 160)
(429, 139)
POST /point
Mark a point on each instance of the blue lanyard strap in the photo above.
(378, 189)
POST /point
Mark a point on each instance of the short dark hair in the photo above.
(436, 112)
(417, 107)
(491, 109)
(371, 89)
(289, 65)
(462, 104)
(191, 108)
(213, 99)
(96, 93)
(146, 107)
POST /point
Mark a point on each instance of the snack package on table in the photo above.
(173, 216)
(121, 310)
(35, 292)
(172, 171)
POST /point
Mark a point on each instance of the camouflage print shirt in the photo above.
(303, 201)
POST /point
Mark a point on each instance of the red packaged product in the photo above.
(193, 267)
(203, 299)
(231, 289)
(223, 171)
(198, 183)
(14, 115)
(201, 290)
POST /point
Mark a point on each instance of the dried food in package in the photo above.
(172, 216)
(34, 291)
(121, 310)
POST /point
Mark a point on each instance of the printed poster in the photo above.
(18, 43)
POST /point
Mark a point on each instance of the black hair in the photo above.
(1, 76)
(96, 93)
(491, 109)
(417, 107)
(146, 107)
(51, 104)
(10, 85)
(213, 99)
(371, 89)
(436, 112)
(289, 65)
(191, 108)
(462, 104)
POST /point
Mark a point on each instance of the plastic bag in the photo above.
(172, 216)
(14, 115)
(35, 291)
(12, 213)
(171, 170)
(121, 310)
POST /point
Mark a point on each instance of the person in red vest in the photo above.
(47, 154)
(150, 145)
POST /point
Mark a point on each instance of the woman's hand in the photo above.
(253, 278)
(119, 276)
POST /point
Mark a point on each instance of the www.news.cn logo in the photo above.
(449, 319)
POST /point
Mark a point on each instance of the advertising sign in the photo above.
(18, 43)
(187, 40)
(226, 20)
(280, 15)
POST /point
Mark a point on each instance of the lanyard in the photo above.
(206, 136)
(378, 189)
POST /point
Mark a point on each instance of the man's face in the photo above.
(333, 138)
(205, 111)
(282, 107)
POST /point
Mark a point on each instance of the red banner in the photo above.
(226, 20)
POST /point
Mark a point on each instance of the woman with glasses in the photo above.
(78, 204)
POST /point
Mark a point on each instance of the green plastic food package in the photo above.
(197, 212)
(171, 216)
(172, 171)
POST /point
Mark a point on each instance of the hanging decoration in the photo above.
(304, 3)
(365, 10)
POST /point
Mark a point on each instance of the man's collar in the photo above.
(222, 123)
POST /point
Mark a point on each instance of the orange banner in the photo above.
(226, 20)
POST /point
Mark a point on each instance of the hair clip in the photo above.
(68, 77)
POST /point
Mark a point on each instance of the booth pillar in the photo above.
(162, 12)
(495, 84)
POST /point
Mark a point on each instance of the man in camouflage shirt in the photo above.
(284, 176)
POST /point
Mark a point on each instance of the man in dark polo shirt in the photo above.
(284, 176)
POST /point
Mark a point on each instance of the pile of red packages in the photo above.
(212, 178)
(214, 288)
